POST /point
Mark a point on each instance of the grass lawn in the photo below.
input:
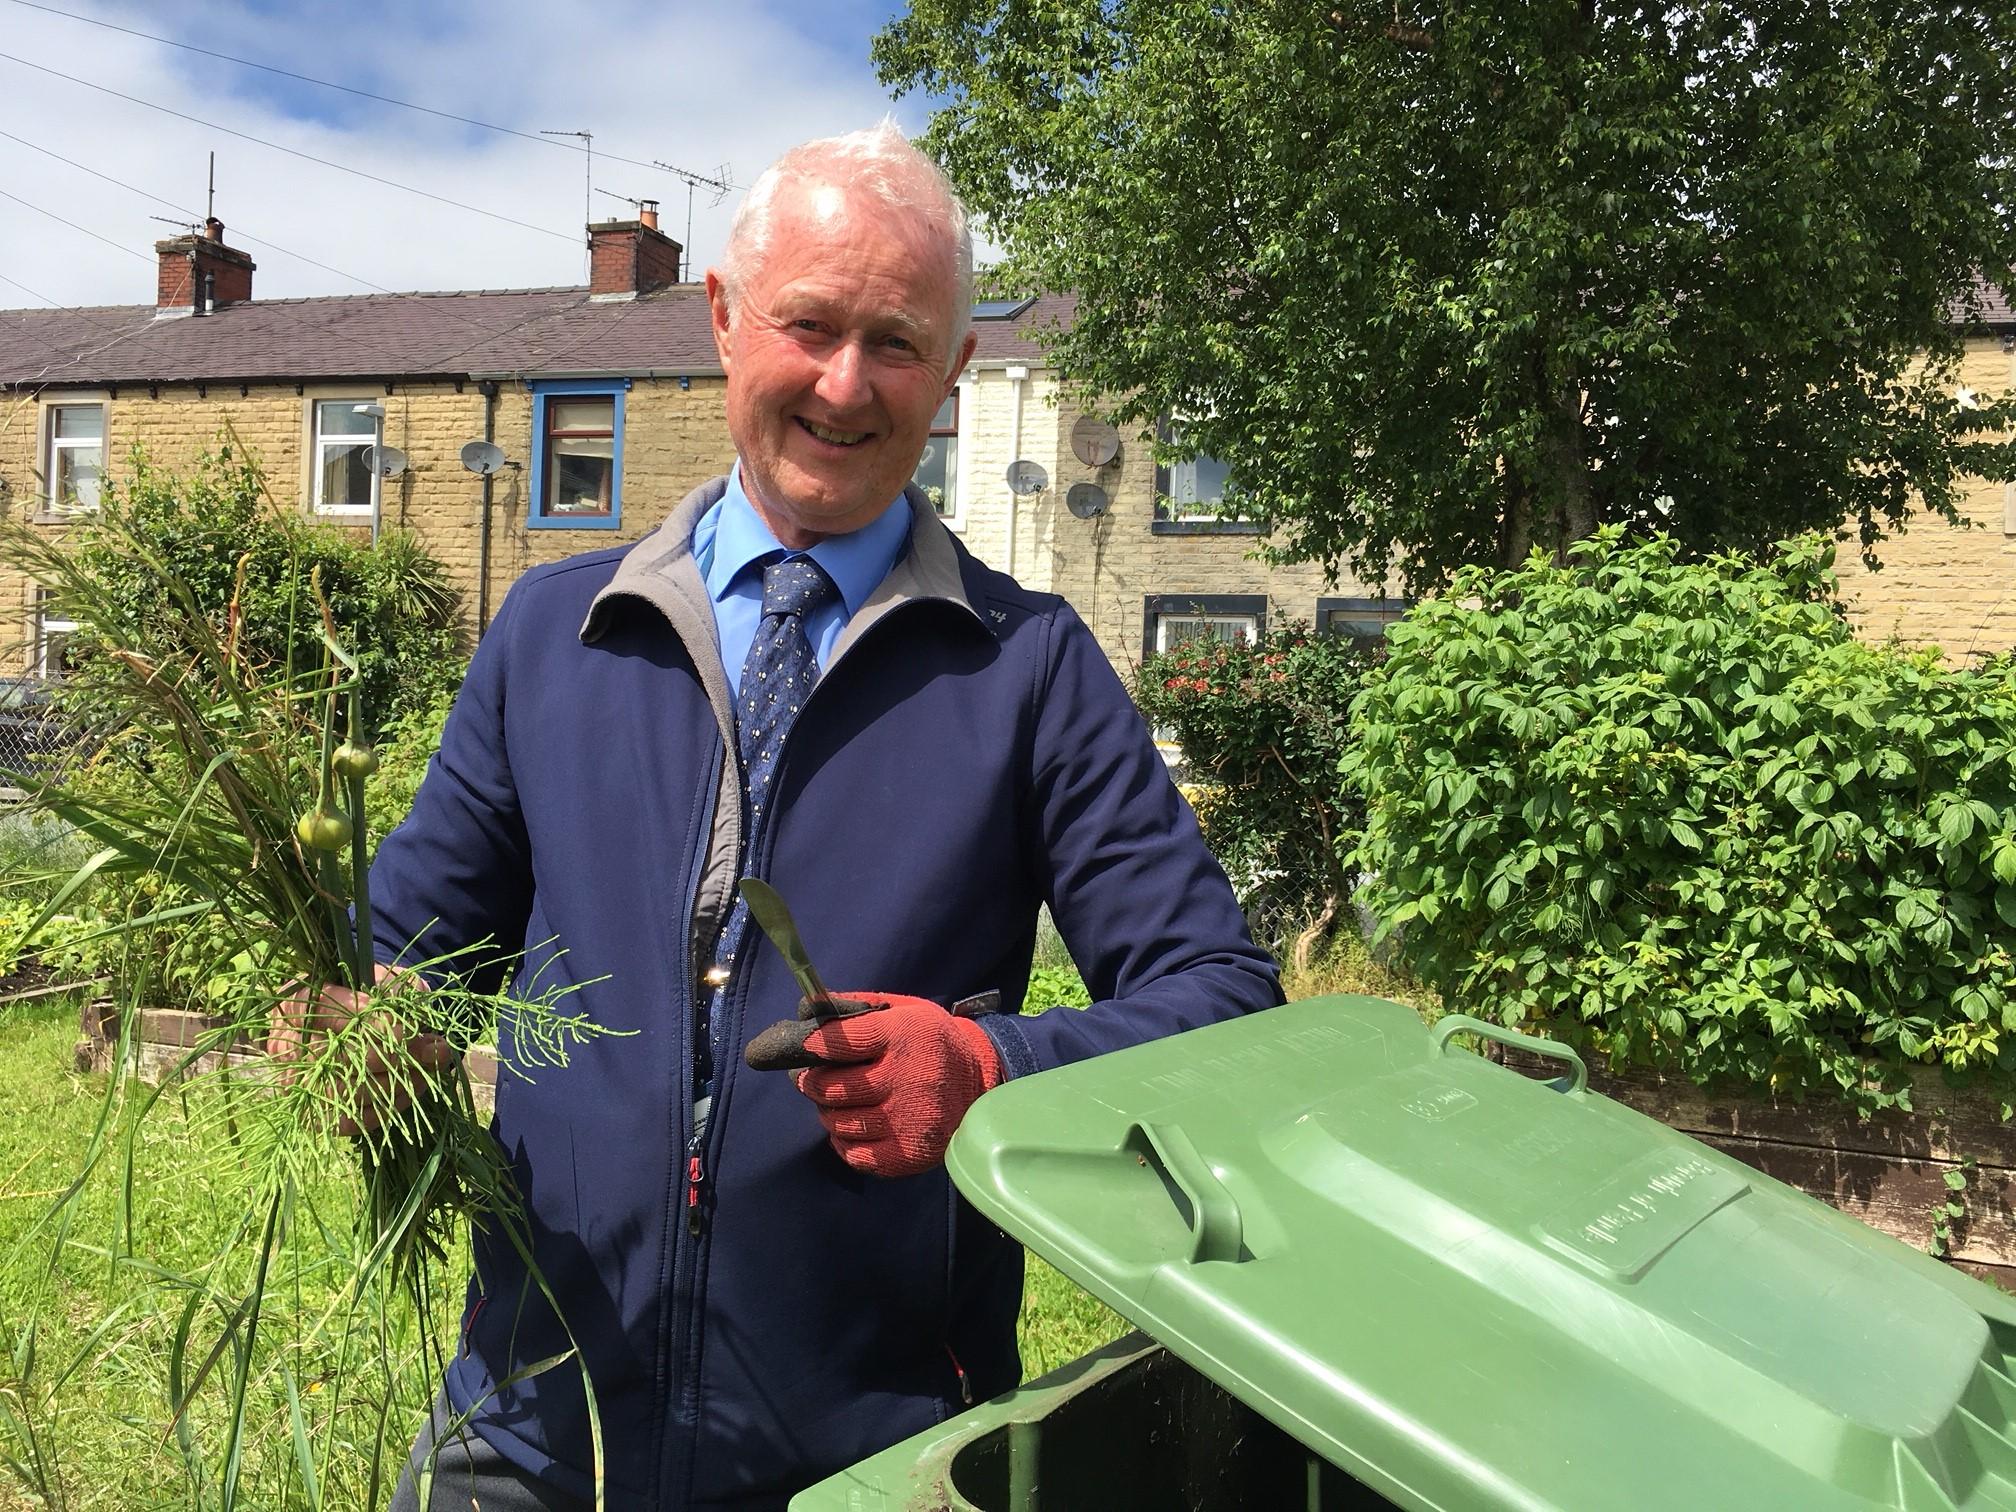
(91, 1421)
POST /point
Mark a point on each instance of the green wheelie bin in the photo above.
(1372, 1268)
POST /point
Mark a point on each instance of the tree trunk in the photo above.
(1568, 483)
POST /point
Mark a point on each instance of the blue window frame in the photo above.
(577, 454)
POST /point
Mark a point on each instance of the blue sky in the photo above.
(697, 85)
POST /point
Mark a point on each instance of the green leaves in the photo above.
(1678, 875)
(1265, 733)
(1443, 284)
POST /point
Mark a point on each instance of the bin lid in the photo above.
(1472, 1289)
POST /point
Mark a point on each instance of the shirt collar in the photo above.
(856, 562)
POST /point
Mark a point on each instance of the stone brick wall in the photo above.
(1943, 584)
(674, 439)
(1939, 584)
(1109, 566)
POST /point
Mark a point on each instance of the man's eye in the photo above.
(805, 325)
(900, 343)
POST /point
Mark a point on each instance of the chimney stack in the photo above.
(628, 258)
(198, 271)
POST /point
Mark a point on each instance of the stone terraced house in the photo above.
(606, 403)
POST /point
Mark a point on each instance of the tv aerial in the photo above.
(482, 457)
(1086, 500)
(720, 183)
(1027, 477)
(1093, 441)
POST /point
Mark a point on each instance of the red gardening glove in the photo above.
(896, 1083)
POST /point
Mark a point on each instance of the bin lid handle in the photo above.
(1454, 1024)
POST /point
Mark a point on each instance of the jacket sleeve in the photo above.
(451, 886)
(1144, 908)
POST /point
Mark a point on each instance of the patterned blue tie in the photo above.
(777, 675)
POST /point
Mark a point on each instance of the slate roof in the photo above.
(514, 332)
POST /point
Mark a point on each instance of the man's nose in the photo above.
(844, 382)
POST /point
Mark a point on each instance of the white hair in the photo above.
(878, 162)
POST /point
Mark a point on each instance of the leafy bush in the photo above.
(1264, 726)
(1678, 814)
(245, 556)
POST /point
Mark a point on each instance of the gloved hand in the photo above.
(893, 1083)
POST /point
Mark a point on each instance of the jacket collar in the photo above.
(660, 570)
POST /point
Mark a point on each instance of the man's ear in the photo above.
(718, 308)
(958, 367)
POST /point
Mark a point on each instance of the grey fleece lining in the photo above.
(661, 571)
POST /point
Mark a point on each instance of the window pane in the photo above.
(581, 415)
(339, 417)
(78, 467)
(346, 480)
(938, 474)
(1172, 630)
(948, 413)
(582, 476)
(1200, 481)
(79, 421)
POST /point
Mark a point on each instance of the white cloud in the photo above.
(692, 84)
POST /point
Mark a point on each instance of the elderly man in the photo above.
(802, 676)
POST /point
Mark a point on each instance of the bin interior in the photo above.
(1151, 1436)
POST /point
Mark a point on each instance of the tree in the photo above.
(1443, 282)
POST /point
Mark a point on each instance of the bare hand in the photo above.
(392, 1066)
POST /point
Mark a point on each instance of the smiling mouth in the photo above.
(831, 436)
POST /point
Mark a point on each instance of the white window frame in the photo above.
(47, 625)
(1174, 516)
(54, 508)
(961, 473)
(1248, 623)
(316, 443)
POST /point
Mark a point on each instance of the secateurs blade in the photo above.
(781, 1047)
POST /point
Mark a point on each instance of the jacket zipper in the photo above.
(679, 1344)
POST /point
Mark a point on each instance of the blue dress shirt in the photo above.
(731, 541)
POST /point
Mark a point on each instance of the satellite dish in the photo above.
(386, 461)
(1086, 500)
(1027, 477)
(482, 457)
(1094, 442)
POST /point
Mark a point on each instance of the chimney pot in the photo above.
(647, 212)
(213, 228)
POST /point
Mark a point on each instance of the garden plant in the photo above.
(1677, 813)
(226, 801)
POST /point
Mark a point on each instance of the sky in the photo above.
(704, 87)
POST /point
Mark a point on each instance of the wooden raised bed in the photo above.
(1889, 1170)
(167, 1035)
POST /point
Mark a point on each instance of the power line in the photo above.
(238, 231)
(117, 246)
(363, 94)
(292, 152)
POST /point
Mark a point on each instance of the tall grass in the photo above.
(223, 787)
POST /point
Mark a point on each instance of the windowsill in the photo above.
(62, 517)
(1204, 527)
(574, 522)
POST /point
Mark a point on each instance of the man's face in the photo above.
(837, 355)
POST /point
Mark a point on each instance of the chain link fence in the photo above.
(33, 737)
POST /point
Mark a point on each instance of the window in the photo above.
(1169, 620)
(1001, 309)
(577, 459)
(343, 480)
(75, 458)
(1362, 620)
(52, 639)
(1189, 496)
(938, 470)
